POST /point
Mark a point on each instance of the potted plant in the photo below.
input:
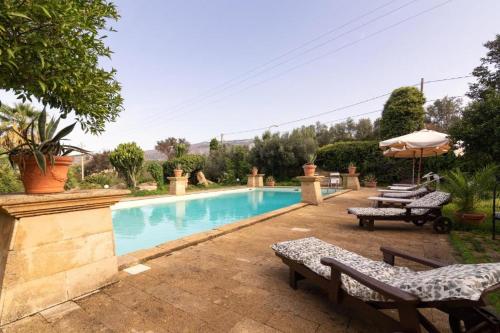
(41, 156)
(254, 171)
(270, 181)
(351, 168)
(467, 190)
(310, 167)
(178, 170)
(370, 180)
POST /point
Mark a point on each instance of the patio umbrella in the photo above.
(419, 144)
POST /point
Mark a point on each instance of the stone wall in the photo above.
(54, 256)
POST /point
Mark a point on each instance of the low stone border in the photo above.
(141, 256)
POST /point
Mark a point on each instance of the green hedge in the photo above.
(368, 158)
(190, 163)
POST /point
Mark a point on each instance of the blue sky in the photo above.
(174, 59)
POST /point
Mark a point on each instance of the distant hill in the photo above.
(196, 148)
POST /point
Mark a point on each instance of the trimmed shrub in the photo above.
(156, 171)
(369, 159)
(190, 163)
(127, 159)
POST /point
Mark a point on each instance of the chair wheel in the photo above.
(419, 223)
(442, 225)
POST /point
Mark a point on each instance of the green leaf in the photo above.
(65, 131)
(40, 160)
(42, 119)
(51, 129)
(17, 14)
(42, 86)
(45, 11)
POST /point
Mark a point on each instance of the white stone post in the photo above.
(310, 187)
(177, 185)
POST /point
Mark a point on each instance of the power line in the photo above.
(323, 55)
(342, 107)
(290, 51)
(245, 79)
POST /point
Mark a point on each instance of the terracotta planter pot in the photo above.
(472, 219)
(177, 172)
(309, 169)
(254, 171)
(271, 184)
(352, 170)
(35, 182)
(370, 184)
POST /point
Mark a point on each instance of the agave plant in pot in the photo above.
(467, 190)
(270, 181)
(351, 168)
(41, 155)
(310, 167)
(370, 180)
(178, 170)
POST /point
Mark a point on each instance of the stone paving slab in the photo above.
(235, 283)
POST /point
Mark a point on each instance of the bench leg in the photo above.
(371, 223)
(294, 277)
(361, 223)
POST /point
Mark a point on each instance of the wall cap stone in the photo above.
(24, 205)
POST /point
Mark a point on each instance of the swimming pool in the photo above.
(146, 223)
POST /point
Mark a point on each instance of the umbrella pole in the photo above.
(420, 165)
(413, 171)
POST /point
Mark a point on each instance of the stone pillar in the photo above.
(177, 185)
(310, 187)
(54, 248)
(256, 181)
(350, 181)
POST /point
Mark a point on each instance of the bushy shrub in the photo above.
(74, 177)
(98, 162)
(227, 164)
(190, 163)
(156, 171)
(127, 159)
(9, 178)
(369, 159)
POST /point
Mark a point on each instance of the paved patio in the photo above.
(235, 283)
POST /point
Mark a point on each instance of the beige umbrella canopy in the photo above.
(419, 144)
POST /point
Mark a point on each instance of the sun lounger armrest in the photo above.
(380, 287)
(390, 253)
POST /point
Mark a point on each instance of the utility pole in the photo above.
(422, 85)
(221, 139)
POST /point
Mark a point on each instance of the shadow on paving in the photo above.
(235, 283)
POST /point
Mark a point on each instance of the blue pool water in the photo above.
(152, 224)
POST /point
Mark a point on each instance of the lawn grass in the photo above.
(473, 244)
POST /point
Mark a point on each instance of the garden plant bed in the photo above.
(472, 247)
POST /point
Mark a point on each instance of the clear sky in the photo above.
(195, 69)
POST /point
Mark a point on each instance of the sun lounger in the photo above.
(361, 286)
(419, 212)
(382, 201)
(407, 194)
(401, 198)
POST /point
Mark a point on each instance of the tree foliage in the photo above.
(443, 113)
(98, 162)
(479, 129)
(228, 164)
(127, 159)
(403, 113)
(214, 145)
(487, 73)
(51, 51)
(283, 155)
(9, 179)
(190, 163)
(156, 171)
(173, 147)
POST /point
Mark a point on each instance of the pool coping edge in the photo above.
(159, 250)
